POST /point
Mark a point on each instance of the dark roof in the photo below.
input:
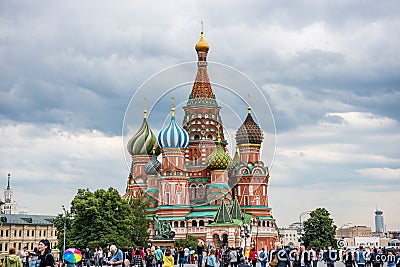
(26, 219)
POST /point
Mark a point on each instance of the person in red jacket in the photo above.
(253, 256)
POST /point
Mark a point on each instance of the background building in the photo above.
(19, 230)
(289, 237)
(379, 224)
(10, 205)
(354, 231)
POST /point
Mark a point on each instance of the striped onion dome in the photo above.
(152, 167)
(143, 141)
(173, 136)
(218, 159)
(249, 132)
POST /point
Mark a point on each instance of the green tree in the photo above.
(140, 235)
(99, 218)
(319, 229)
(190, 241)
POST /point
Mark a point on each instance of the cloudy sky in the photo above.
(328, 69)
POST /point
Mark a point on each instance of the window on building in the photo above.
(20, 233)
(6, 235)
(5, 246)
(44, 232)
(27, 233)
(201, 223)
(15, 234)
(19, 246)
(176, 224)
(33, 232)
(1, 247)
(194, 223)
(31, 246)
(1, 233)
(182, 224)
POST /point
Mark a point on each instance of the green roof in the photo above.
(199, 214)
(236, 213)
(266, 217)
(26, 219)
(222, 215)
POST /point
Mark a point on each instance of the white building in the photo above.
(290, 237)
(10, 205)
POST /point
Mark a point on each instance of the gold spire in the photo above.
(219, 136)
(173, 106)
(144, 110)
(248, 104)
(202, 45)
(237, 149)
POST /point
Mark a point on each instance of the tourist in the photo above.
(200, 247)
(45, 258)
(181, 256)
(12, 260)
(24, 256)
(391, 259)
(211, 259)
(279, 257)
(168, 259)
(361, 258)
(117, 258)
(33, 258)
(159, 257)
(253, 256)
(149, 257)
(305, 259)
(314, 257)
(243, 263)
(137, 260)
(87, 256)
(187, 250)
(233, 257)
(330, 257)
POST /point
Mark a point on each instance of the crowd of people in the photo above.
(205, 256)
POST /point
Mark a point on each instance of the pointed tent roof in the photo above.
(236, 212)
(222, 215)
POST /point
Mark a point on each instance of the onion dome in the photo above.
(202, 45)
(143, 141)
(173, 136)
(218, 159)
(249, 132)
(153, 166)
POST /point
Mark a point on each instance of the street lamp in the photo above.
(65, 224)
(245, 234)
(301, 225)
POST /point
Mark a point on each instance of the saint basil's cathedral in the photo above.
(198, 189)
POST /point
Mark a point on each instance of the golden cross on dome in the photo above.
(144, 110)
(202, 26)
(173, 106)
(248, 104)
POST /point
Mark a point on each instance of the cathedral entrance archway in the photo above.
(216, 240)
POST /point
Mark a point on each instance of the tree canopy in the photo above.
(319, 229)
(103, 217)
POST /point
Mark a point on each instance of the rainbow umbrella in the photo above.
(72, 255)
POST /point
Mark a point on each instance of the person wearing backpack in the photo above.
(361, 260)
(262, 257)
(45, 258)
(12, 260)
(348, 259)
(279, 257)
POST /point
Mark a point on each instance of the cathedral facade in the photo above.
(198, 189)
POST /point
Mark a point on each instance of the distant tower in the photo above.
(10, 206)
(379, 225)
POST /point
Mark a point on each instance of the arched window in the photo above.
(182, 224)
(200, 191)
(210, 137)
(268, 224)
(196, 137)
(201, 223)
(176, 224)
(264, 223)
(259, 223)
(193, 191)
(194, 223)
